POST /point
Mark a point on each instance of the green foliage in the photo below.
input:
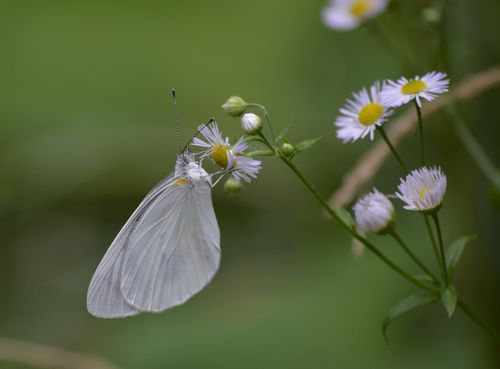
(306, 144)
(259, 153)
(407, 304)
(449, 299)
(454, 253)
(281, 136)
(425, 278)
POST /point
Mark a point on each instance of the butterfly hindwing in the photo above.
(173, 250)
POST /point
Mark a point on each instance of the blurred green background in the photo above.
(87, 129)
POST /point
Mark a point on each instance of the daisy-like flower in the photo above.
(361, 115)
(217, 147)
(427, 87)
(228, 157)
(374, 213)
(245, 168)
(423, 189)
(345, 15)
(242, 167)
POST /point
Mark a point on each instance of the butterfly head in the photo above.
(190, 170)
(196, 173)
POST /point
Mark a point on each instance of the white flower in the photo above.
(227, 156)
(242, 167)
(423, 189)
(398, 93)
(245, 168)
(362, 115)
(345, 15)
(217, 147)
(374, 213)
(251, 123)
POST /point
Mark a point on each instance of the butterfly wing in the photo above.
(104, 297)
(174, 249)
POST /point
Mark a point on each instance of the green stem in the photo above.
(261, 135)
(334, 214)
(434, 243)
(412, 255)
(353, 233)
(392, 148)
(441, 248)
(473, 147)
(478, 321)
(421, 132)
(268, 120)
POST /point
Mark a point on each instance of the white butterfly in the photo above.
(166, 252)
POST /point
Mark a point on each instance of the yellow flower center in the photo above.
(422, 193)
(370, 113)
(359, 8)
(414, 87)
(219, 155)
(181, 181)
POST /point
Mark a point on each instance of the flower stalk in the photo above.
(441, 248)
(353, 233)
(433, 242)
(392, 148)
(417, 261)
(288, 162)
(420, 132)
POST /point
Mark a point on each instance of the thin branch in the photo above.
(372, 160)
(42, 356)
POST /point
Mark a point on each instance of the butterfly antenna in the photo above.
(177, 123)
(203, 125)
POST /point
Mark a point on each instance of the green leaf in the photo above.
(425, 278)
(306, 144)
(454, 253)
(345, 217)
(409, 303)
(253, 138)
(449, 299)
(258, 153)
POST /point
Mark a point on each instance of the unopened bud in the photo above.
(374, 213)
(287, 149)
(235, 106)
(251, 123)
(232, 185)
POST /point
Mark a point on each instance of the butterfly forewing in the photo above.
(173, 250)
(104, 297)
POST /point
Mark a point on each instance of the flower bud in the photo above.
(235, 106)
(251, 123)
(287, 149)
(374, 213)
(232, 185)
